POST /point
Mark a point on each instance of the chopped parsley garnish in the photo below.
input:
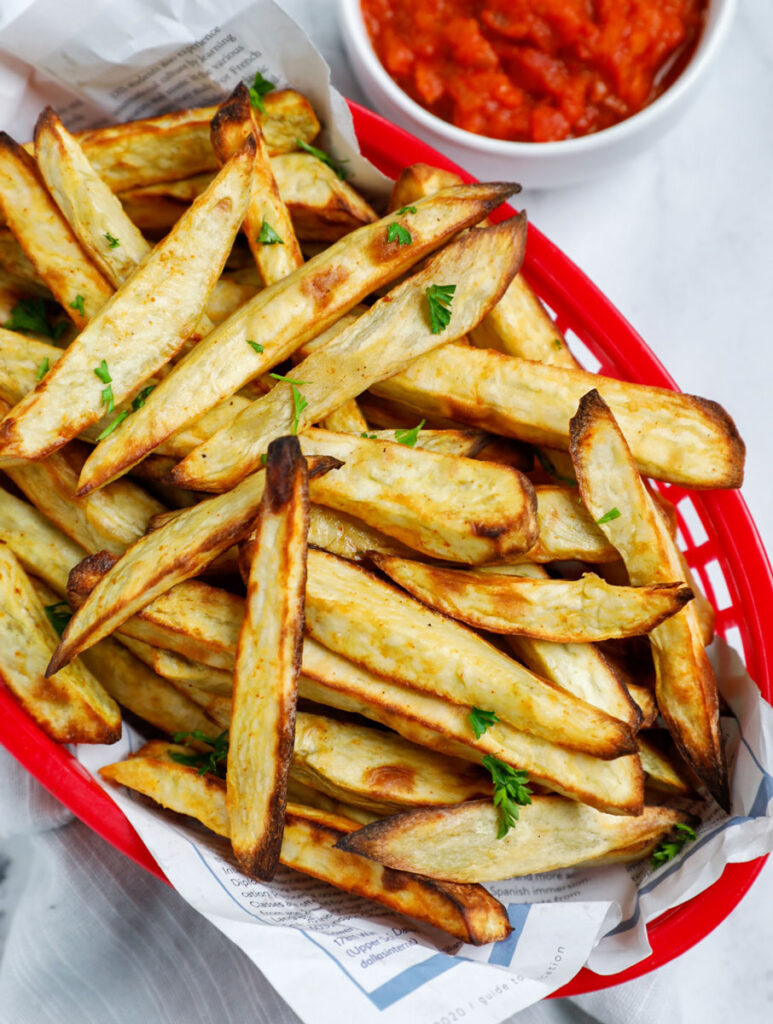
(610, 516)
(405, 209)
(213, 761)
(557, 343)
(320, 154)
(137, 403)
(263, 459)
(510, 791)
(141, 397)
(397, 233)
(370, 437)
(409, 437)
(481, 720)
(267, 235)
(112, 241)
(107, 393)
(29, 316)
(439, 298)
(669, 848)
(258, 90)
(549, 468)
(59, 615)
(45, 366)
(299, 401)
(255, 345)
(77, 303)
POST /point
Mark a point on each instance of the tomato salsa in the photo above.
(534, 70)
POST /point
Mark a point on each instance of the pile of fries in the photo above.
(323, 497)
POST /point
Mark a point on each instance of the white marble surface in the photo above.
(679, 239)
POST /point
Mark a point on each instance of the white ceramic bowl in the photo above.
(534, 164)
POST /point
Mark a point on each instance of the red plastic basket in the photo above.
(718, 536)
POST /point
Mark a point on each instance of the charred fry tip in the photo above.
(318, 465)
(48, 118)
(284, 464)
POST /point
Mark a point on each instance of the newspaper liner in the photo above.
(118, 61)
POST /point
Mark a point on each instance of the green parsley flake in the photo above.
(610, 516)
(255, 345)
(213, 761)
(481, 720)
(112, 241)
(557, 343)
(409, 437)
(510, 791)
(43, 369)
(405, 209)
(77, 303)
(299, 402)
(267, 235)
(397, 233)
(103, 373)
(439, 298)
(370, 437)
(141, 397)
(29, 317)
(320, 154)
(551, 470)
(258, 90)
(59, 615)
(669, 848)
(115, 423)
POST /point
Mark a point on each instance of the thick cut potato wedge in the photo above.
(519, 324)
(178, 145)
(674, 437)
(299, 793)
(464, 443)
(565, 611)
(378, 770)
(445, 506)
(375, 625)
(109, 520)
(279, 254)
(20, 362)
(43, 550)
(179, 669)
(381, 342)
(46, 238)
(268, 660)
(685, 686)
(308, 845)
(566, 530)
(181, 549)
(17, 265)
(280, 319)
(145, 323)
(322, 206)
(347, 419)
(660, 771)
(460, 843)
(70, 707)
(644, 698)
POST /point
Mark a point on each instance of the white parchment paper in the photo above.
(330, 955)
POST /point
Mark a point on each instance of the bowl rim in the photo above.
(356, 35)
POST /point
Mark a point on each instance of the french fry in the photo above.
(298, 793)
(685, 686)
(564, 611)
(377, 770)
(566, 530)
(460, 843)
(140, 329)
(278, 253)
(372, 624)
(660, 771)
(46, 238)
(380, 343)
(279, 319)
(644, 698)
(178, 145)
(179, 669)
(519, 324)
(347, 419)
(322, 206)
(15, 262)
(109, 520)
(674, 437)
(42, 549)
(268, 660)
(70, 707)
(464, 443)
(308, 845)
(442, 505)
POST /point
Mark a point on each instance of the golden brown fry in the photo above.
(662, 774)
(279, 320)
(16, 264)
(465, 443)
(70, 707)
(347, 419)
(460, 843)
(674, 437)
(685, 688)
(442, 505)
(308, 845)
(378, 770)
(322, 206)
(373, 624)
(644, 698)
(268, 660)
(298, 793)
(42, 549)
(394, 331)
(140, 329)
(179, 669)
(564, 611)
(566, 530)
(267, 223)
(46, 238)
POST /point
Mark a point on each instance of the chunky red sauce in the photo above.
(534, 70)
